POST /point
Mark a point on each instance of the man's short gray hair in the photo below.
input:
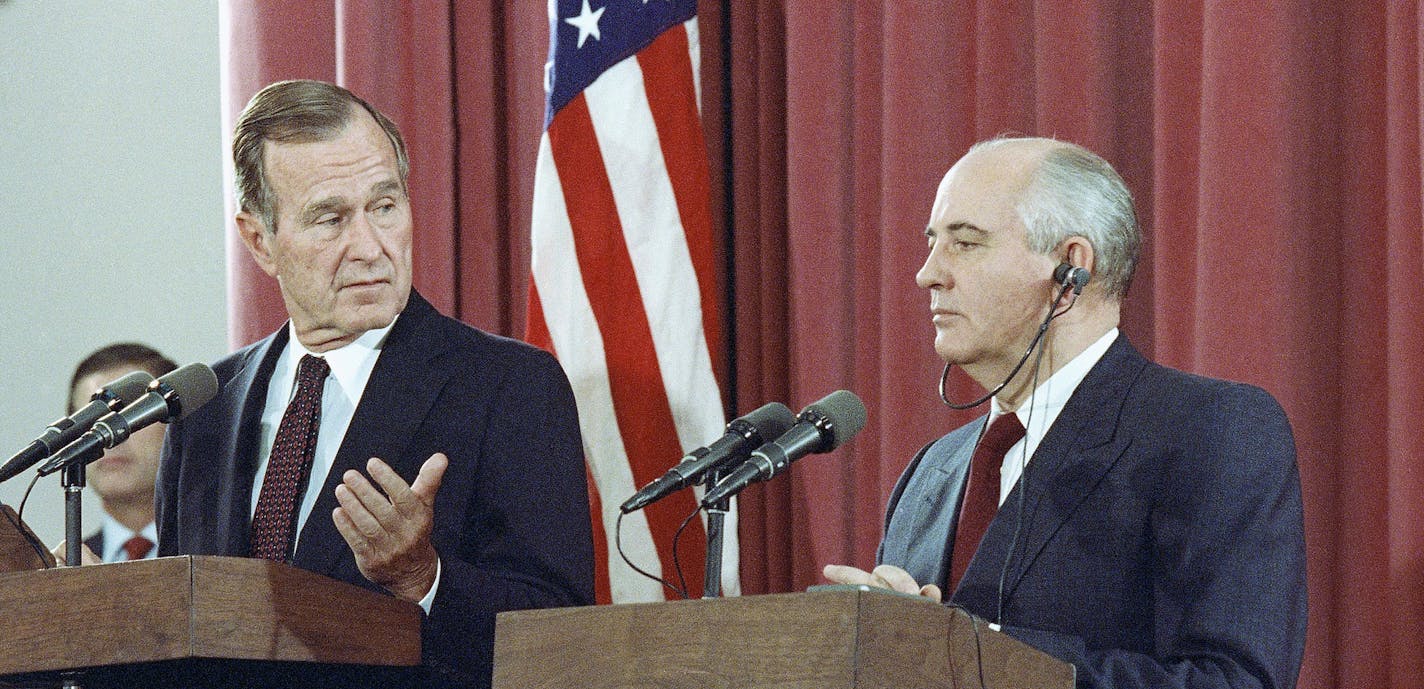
(1074, 192)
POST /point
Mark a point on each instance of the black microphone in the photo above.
(112, 397)
(821, 427)
(169, 398)
(743, 434)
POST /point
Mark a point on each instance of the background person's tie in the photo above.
(290, 463)
(137, 547)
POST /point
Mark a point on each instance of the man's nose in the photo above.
(934, 273)
(363, 238)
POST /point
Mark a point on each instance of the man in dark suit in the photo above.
(473, 499)
(1138, 522)
(124, 478)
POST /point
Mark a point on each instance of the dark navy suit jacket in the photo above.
(1158, 540)
(511, 517)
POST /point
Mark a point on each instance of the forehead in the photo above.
(981, 189)
(360, 156)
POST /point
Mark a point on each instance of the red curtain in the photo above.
(1274, 150)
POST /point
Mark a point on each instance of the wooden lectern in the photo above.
(202, 622)
(830, 639)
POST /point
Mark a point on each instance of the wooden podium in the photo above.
(202, 621)
(830, 639)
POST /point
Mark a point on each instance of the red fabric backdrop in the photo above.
(1274, 150)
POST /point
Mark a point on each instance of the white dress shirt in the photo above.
(115, 535)
(1044, 405)
(351, 367)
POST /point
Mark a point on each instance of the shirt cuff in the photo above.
(429, 598)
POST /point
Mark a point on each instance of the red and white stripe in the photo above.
(624, 294)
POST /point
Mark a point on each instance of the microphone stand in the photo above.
(73, 480)
(716, 516)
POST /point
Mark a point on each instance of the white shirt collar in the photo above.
(350, 363)
(115, 535)
(1045, 404)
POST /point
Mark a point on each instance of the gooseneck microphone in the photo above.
(169, 398)
(821, 427)
(743, 434)
(110, 398)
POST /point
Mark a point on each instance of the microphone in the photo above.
(743, 434)
(169, 398)
(112, 397)
(821, 427)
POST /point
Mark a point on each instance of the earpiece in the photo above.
(1067, 274)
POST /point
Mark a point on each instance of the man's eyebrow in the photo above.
(957, 227)
(317, 208)
(386, 187)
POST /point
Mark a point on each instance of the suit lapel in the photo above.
(399, 395)
(243, 399)
(927, 502)
(1074, 456)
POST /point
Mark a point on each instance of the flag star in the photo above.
(587, 23)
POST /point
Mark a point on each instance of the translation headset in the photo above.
(1069, 278)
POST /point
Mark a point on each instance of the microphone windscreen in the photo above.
(845, 412)
(770, 420)
(194, 385)
(130, 387)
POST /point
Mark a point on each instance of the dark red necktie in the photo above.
(289, 465)
(137, 547)
(981, 495)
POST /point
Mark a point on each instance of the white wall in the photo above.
(111, 206)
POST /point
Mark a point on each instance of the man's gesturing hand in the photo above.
(390, 532)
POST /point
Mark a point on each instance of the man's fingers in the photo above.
(896, 579)
(932, 592)
(358, 542)
(428, 481)
(844, 574)
(357, 512)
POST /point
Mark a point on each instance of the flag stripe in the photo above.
(575, 335)
(661, 261)
(609, 279)
(669, 84)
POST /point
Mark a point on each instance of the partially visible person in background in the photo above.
(124, 479)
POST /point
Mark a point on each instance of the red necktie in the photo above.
(290, 463)
(981, 495)
(137, 547)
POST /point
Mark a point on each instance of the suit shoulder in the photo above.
(494, 358)
(228, 367)
(1194, 393)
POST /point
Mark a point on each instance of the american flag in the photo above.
(623, 290)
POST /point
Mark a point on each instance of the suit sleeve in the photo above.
(1228, 561)
(526, 536)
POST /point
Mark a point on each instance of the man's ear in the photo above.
(1078, 251)
(257, 240)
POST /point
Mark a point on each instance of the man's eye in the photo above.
(385, 208)
(329, 220)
